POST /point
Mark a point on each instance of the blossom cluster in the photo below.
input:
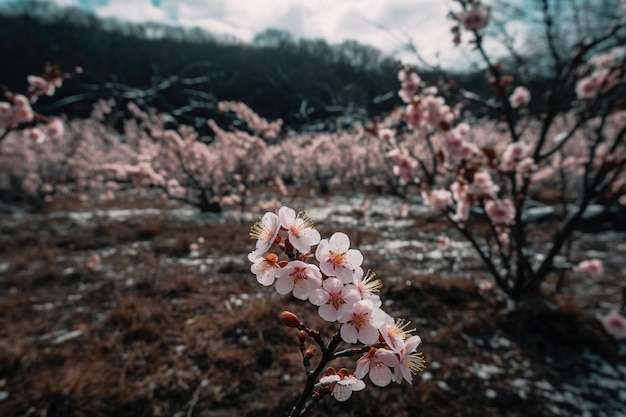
(505, 172)
(343, 293)
(16, 113)
(256, 123)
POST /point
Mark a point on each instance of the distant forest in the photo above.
(309, 83)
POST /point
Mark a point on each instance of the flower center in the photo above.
(359, 320)
(299, 275)
(337, 259)
(336, 301)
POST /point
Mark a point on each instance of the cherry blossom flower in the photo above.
(265, 231)
(368, 286)
(336, 259)
(377, 363)
(501, 212)
(55, 128)
(405, 164)
(343, 384)
(35, 134)
(520, 97)
(361, 322)
(436, 111)
(39, 86)
(265, 268)
(460, 193)
(395, 332)
(482, 185)
(300, 277)
(302, 235)
(22, 112)
(475, 18)
(410, 82)
(437, 199)
(454, 143)
(387, 135)
(414, 115)
(615, 324)
(410, 361)
(513, 154)
(592, 267)
(333, 297)
(443, 242)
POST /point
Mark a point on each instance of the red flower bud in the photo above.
(290, 319)
(310, 351)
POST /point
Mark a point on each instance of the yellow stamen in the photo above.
(415, 362)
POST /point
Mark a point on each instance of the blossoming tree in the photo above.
(470, 170)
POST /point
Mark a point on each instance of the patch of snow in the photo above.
(491, 393)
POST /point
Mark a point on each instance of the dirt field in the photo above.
(156, 330)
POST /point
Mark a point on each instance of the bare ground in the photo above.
(158, 331)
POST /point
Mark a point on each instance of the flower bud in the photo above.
(310, 351)
(290, 319)
(301, 336)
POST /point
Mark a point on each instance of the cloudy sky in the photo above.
(386, 24)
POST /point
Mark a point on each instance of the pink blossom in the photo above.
(475, 18)
(264, 268)
(435, 111)
(520, 97)
(587, 87)
(615, 324)
(501, 212)
(414, 115)
(377, 363)
(410, 82)
(460, 193)
(482, 185)
(55, 128)
(387, 135)
(361, 322)
(5, 113)
(437, 199)
(35, 134)
(39, 86)
(405, 164)
(256, 123)
(455, 144)
(265, 231)
(299, 277)
(302, 235)
(368, 285)
(333, 297)
(22, 112)
(343, 384)
(336, 259)
(410, 361)
(395, 333)
(513, 154)
(592, 267)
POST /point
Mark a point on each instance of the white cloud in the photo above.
(133, 11)
(388, 25)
